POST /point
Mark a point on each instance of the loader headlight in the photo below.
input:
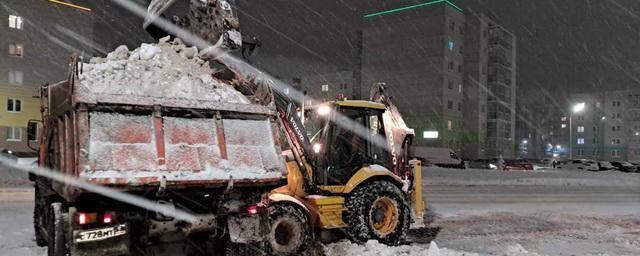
(323, 110)
(317, 147)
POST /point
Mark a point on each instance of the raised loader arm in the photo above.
(399, 138)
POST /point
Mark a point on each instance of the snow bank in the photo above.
(372, 247)
(162, 70)
(552, 177)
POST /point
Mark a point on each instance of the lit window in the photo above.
(580, 128)
(14, 105)
(15, 22)
(325, 87)
(563, 125)
(451, 45)
(16, 50)
(14, 134)
(459, 88)
(580, 141)
(449, 125)
(615, 153)
(16, 77)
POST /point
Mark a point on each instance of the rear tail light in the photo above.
(84, 218)
(252, 209)
(107, 218)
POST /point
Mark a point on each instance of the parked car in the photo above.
(517, 165)
(442, 157)
(547, 161)
(8, 155)
(636, 164)
(481, 164)
(625, 166)
(606, 166)
(581, 164)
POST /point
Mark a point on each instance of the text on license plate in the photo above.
(101, 234)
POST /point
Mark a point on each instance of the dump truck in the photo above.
(212, 154)
(261, 170)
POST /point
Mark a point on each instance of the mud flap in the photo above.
(248, 229)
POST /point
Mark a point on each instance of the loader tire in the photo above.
(290, 231)
(56, 232)
(39, 216)
(377, 210)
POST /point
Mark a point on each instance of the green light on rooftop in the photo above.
(454, 6)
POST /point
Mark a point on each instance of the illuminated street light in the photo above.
(604, 118)
(525, 141)
(578, 107)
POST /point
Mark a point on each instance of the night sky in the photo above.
(563, 46)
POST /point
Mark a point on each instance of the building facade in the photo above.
(476, 59)
(419, 55)
(36, 52)
(607, 128)
(326, 87)
(501, 99)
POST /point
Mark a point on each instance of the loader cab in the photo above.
(346, 136)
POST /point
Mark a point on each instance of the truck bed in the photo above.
(138, 141)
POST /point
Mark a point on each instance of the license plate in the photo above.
(101, 234)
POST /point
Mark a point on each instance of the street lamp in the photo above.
(575, 109)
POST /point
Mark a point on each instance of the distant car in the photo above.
(442, 157)
(581, 164)
(625, 166)
(481, 164)
(636, 164)
(517, 165)
(547, 161)
(8, 155)
(606, 166)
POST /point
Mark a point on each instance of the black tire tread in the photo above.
(358, 205)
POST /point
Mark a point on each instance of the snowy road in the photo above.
(483, 212)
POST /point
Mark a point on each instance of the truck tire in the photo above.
(56, 232)
(377, 210)
(290, 230)
(39, 216)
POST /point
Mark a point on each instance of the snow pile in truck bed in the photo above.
(162, 70)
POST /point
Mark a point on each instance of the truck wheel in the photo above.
(290, 232)
(377, 210)
(57, 243)
(39, 209)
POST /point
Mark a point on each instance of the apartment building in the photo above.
(36, 52)
(607, 127)
(418, 53)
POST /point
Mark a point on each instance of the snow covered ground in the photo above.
(475, 212)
